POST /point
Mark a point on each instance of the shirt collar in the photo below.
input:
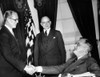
(48, 30)
(83, 56)
(11, 31)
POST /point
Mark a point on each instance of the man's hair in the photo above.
(9, 14)
(86, 43)
(45, 17)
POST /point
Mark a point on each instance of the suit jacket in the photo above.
(49, 50)
(85, 64)
(12, 60)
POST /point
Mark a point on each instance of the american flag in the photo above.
(1, 18)
(29, 34)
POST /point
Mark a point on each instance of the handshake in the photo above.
(30, 69)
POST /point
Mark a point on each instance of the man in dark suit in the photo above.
(12, 60)
(82, 64)
(49, 46)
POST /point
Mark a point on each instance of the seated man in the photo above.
(82, 64)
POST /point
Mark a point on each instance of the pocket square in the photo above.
(54, 37)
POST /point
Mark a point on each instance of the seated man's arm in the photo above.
(93, 67)
(50, 69)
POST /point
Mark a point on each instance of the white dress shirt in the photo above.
(48, 30)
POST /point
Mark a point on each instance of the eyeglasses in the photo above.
(14, 19)
(45, 22)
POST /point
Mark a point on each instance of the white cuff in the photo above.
(39, 69)
(59, 75)
(25, 68)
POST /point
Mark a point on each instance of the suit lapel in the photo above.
(50, 39)
(46, 40)
(41, 40)
(50, 36)
(74, 65)
(7, 31)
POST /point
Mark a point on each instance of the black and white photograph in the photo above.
(49, 38)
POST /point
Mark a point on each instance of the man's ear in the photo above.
(41, 24)
(50, 22)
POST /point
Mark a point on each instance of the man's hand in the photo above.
(30, 69)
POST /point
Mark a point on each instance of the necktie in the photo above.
(46, 32)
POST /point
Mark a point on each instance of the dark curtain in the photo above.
(47, 8)
(44, 8)
(99, 17)
(83, 15)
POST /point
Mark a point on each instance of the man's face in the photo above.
(13, 20)
(81, 49)
(45, 23)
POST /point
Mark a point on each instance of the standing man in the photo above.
(49, 46)
(12, 60)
